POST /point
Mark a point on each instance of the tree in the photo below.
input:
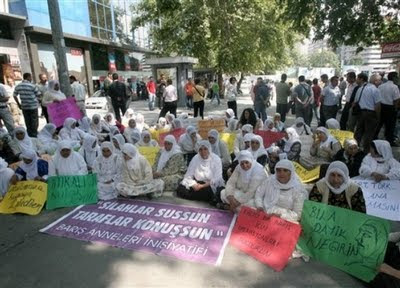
(324, 58)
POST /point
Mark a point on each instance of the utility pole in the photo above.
(59, 47)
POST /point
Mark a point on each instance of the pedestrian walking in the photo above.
(317, 99)
(119, 97)
(170, 97)
(261, 95)
(198, 98)
(215, 92)
(231, 94)
(330, 98)
(282, 94)
(189, 93)
(79, 92)
(303, 98)
(151, 90)
(43, 86)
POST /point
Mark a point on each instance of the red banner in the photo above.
(176, 133)
(269, 239)
(270, 137)
(390, 50)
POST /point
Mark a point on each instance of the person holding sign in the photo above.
(53, 94)
(352, 156)
(242, 185)
(219, 148)
(89, 150)
(31, 168)
(67, 162)
(169, 165)
(337, 189)
(379, 164)
(282, 194)
(146, 141)
(5, 177)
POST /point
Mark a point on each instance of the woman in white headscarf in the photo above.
(239, 141)
(282, 194)
(352, 156)
(229, 114)
(135, 137)
(184, 117)
(379, 164)
(129, 114)
(107, 167)
(146, 141)
(177, 124)
(22, 142)
(273, 157)
(99, 127)
(325, 146)
(337, 189)
(332, 123)
(130, 129)
(118, 141)
(48, 138)
(53, 94)
(188, 142)
(5, 177)
(89, 150)
(232, 126)
(67, 162)
(162, 124)
(278, 124)
(137, 176)
(219, 148)
(269, 125)
(203, 179)
(170, 119)
(109, 120)
(31, 168)
(169, 165)
(71, 133)
(257, 149)
(291, 144)
(140, 124)
(84, 125)
(243, 183)
(301, 127)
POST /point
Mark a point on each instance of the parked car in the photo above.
(99, 101)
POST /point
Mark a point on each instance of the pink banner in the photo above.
(176, 133)
(270, 137)
(60, 111)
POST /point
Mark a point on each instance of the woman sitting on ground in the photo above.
(278, 124)
(169, 165)
(99, 127)
(48, 138)
(22, 142)
(325, 146)
(6, 174)
(250, 117)
(6, 152)
(146, 141)
(135, 137)
(337, 189)
(203, 179)
(332, 123)
(273, 158)
(136, 175)
(71, 133)
(118, 141)
(291, 144)
(110, 121)
(352, 156)
(229, 114)
(301, 127)
(379, 164)
(219, 148)
(130, 129)
(90, 150)
(67, 162)
(247, 145)
(257, 150)
(84, 125)
(282, 194)
(242, 185)
(31, 168)
(269, 125)
(239, 141)
(188, 142)
(232, 126)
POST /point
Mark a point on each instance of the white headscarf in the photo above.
(383, 148)
(26, 143)
(121, 141)
(231, 114)
(232, 125)
(112, 121)
(5, 176)
(340, 168)
(47, 132)
(131, 151)
(330, 139)
(261, 150)
(332, 124)
(84, 124)
(69, 133)
(139, 122)
(185, 141)
(256, 169)
(55, 93)
(247, 128)
(267, 123)
(293, 138)
(87, 151)
(303, 128)
(151, 143)
(129, 113)
(215, 147)
(30, 169)
(99, 127)
(74, 164)
(170, 118)
(162, 122)
(177, 123)
(106, 167)
(166, 155)
(184, 117)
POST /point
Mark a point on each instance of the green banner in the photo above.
(351, 241)
(67, 191)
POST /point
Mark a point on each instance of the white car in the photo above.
(99, 101)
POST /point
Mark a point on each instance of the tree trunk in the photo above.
(240, 80)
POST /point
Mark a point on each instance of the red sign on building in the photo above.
(391, 50)
(76, 52)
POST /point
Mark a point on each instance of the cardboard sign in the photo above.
(270, 240)
(270, 137)
(26, 197)
(150, 153)
(351, 241)
(60, 111)
(183, 232)
(67, 191)
(229, 139)
(382, 199)
(341, 135)
(206, 125)
(305, 175)
(176, 133)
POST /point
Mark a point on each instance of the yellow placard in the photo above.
(229, 139)
(150, 153)
(305, 175)
(155, 134)
(341, 135)
(26, 197)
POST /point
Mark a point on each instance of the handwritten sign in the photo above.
(60, 111)
(382, 199)
(270, 137)
(26, 197)
(176, 133)
(341, 135)
(305, 175)
(268, 239)
(150, 153)
(229, 139)
(206, 125)
(351, 241)
(67, 191)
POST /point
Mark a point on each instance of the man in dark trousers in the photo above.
(117, 92)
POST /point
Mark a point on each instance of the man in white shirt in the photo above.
(330, 98)
(5, 113)
(390, 99)
(351, 80)
(170, 96)
(79, 92)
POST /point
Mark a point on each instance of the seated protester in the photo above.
(130, 129)
(170, 119)
(257, 150)
(177, 124)
(114, 131)
(99, 127)
(118, 141)
(107, 168)
(110, 121)
(162, 124)
(242, 185)
(219, 148)
(48, 138)
(71, 133)
(6, 174)
(332, 123)
(6, 152)
(136, 175)
(184, 117)
(90, 150)
(146, 141)
(301, 127)
(67, 162)
(325, 146)
(352, 156)
(23, 142)
(188, 142)
(337, 189)
(291, 144)
(239, 141)
(84, 125)
(135, 137)
(229, 114)
(232, 126)
(269, 126)
(273, 157)
(129, 114)
(379, 164)
(250, 117)
(140, 124)
(278, 124)
(203, 179)
(31, 168)
(282, 194)
(169, 165)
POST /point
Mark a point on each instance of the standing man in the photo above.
(119, 97)
(231, 94)
(42, 86)
(107, 82)
(170, 97)
(151, 90)
(342, 87)
(317, 99)
(79, 92)
(282, 94)
(29, 95)
(390, 99)
(368, 99)
(303, 98)
(261, 95)
(325, 83)
(330, 98)
(351, 87)
(5, 113)
(215, 92)
(189, 93)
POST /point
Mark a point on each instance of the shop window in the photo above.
(5, 30)
(99, 57)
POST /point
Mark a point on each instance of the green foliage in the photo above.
(325, 58)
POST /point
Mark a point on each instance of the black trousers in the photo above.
(345, 116)
(31, 121)
(388, 119)
(45, 114)
(233, 106)
(205, 194)
(282, 109)
(367, 122)
(199, 105)
(168, 107)
(118, 105)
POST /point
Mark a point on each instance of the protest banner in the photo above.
(270, 137)
(176, 133)
(150, 153)
(229, 139)
(351, 241)
(382, 199)
(60, 111)
(184, 232)
(305, 175)
(206, 125)
(269, 239)
(67, 191)
(341, 135)
(26, 197)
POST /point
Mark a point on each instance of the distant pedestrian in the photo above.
(79, 92)
(261, 95)
(5, 113)
(215, 92)
(330, 98)
(42, 86)
(351, 87)
(198, 98)
(317, 99)
(282, 94)
(170, 97)
(160, 93)
(189, 93)
(231, 94)
(151, 90)
(117, 92)
(303, 97)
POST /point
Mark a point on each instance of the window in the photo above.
(100, 19)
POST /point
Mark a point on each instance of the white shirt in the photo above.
(170, 94)
(389, 92)
(369, 98)
(331, 95)
(79, 91)
(350, 90)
